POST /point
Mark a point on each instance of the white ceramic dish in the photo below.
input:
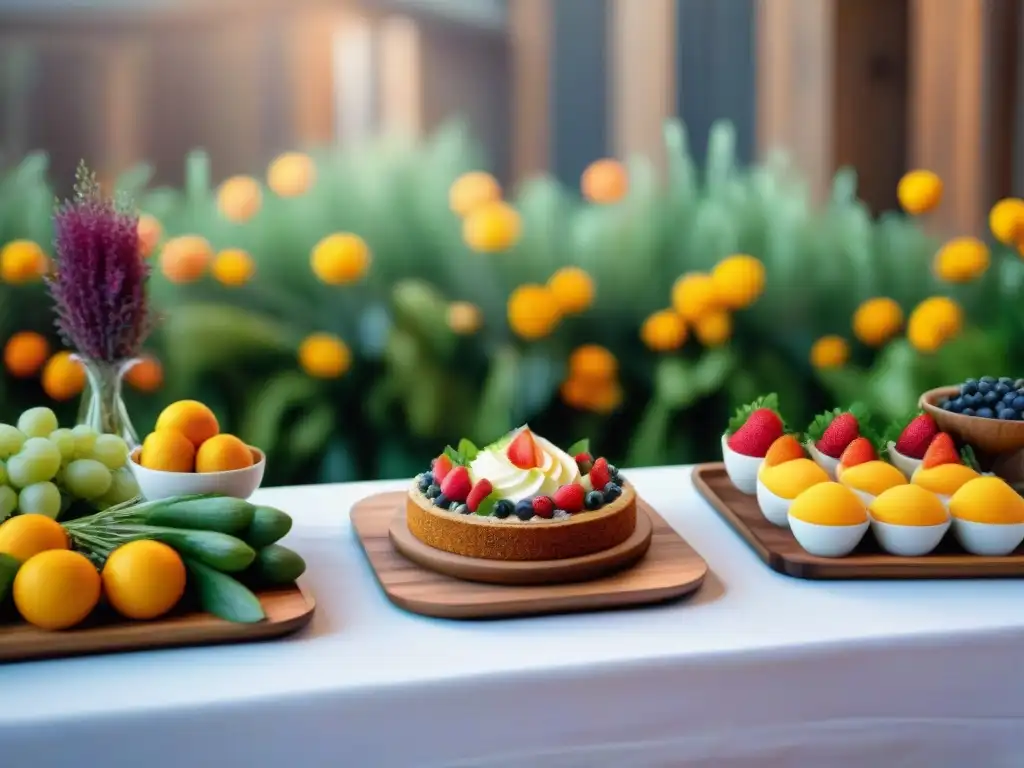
(827, 540)
(904, 464)
(239, 483)
(991, 539)
(774, 508)
(742, 470)
(908, 540)
(825, 462)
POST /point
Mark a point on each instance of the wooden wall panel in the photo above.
(400, 77)
(530, 34)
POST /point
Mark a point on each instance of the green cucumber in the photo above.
(223, 514)
(276, 566)
(268, 525)
(8, 570)
(217, 550)
(224, 597)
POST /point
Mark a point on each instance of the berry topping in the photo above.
(442, 466)
(456, 484)
(612, 491)
(543, 507)
(424, 481)
(941, 451)
(503, 508)
(443, 502)
(480, 491)
(433, 491)
(584, 461)
(523, 450)
(594, 500)
(524, 509)
(786, 448)
(762, 428)
(917, 436)
(460, 509)
(570, 498)
(860, 451)
(599, 474)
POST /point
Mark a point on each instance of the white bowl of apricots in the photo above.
(187, 453)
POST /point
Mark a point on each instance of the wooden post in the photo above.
(401, 69)
(963, 68)
(312, 63)
(530, 27)
(123, 67)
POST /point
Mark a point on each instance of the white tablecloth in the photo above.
(757, 670)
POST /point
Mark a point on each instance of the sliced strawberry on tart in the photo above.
(832, 431)
(746, 440)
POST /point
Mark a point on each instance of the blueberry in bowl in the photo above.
(980, 412)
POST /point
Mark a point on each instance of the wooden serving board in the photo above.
(779, 549)
(670, 569)
(288, 609)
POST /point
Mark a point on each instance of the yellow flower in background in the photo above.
(63, 377)
(25, 353)
(239, 198)
(663, 331)
(340, 258)
(877, 320)
(147, 375)
(830, 352)
(601, 397)
(533, 312)
(961, 260)
(464, 318)
(592, 362)
(22, 261)
(185, 259)
(919, 192)
(739, 280)
(471, 190)
(933, 322)
(714, 328)
(694, 295)
(492, 227)
(573, 289)
(150, 232)
(233, 267)
(924, 338)
(324, 356)
(1006, 220)
(605, 181)
(291, 174)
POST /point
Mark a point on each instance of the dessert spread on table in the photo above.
(840, 479)
(521, 498)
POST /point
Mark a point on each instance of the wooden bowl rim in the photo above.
(973, 424)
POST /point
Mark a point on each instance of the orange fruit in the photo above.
(143, 579)
(168, 450)
(63, 376)
(605, 181)
(25, 353)
(24, 536)
(56, 589)
(191, 418)
(147, 375)
(223, 453)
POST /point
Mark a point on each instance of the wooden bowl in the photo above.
(993, 436)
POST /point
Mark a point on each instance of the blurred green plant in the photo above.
(414, 384)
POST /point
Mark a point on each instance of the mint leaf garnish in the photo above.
(467, 450)
(454, 456)
(969, 458)
(580, 446)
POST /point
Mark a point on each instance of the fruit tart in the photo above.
(521, 498)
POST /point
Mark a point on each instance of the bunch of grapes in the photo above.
(45, 469)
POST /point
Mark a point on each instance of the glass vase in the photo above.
(102, 406)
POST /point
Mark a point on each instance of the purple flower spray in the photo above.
(99, 281)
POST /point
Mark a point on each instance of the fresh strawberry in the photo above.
(523, 451)
(843, 430)
(786, 448)
(456, 484)
(600, 475)
(860, 451)
(480, 491)
(442, 466)
(940, 451)
(584, 461)
(544, 507)
(917, 436)
(762, 428)
(570, 497)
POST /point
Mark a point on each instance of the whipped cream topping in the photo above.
(557, 468)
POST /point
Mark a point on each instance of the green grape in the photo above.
(11, 439)
(3, 473)
(64, 439)
(123, 488)
(38, 422)
(27, 468)
(42, 448)
(40, 499)
(87, 478)
(85, 439)
(8, 501)
(111, 450)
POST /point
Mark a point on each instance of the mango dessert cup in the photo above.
(988, 517)
(908, 521)
(828, 520)
(778, 484)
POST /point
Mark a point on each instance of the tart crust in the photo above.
(473, 536)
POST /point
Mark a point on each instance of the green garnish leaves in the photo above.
(487, 505)
(969, 458)
(580, 446)
(769, 401)
(467, 450)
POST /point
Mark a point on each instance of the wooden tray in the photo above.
(671, 569)
(777, 547)
(288, 609)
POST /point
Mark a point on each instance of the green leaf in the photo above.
(969, 458)
(456, 458)
(467, 450)
(580, 446)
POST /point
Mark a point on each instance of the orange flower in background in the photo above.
(1006, 220)
(150, 232)
(597, 397)
(233, 267)
(291, 174)
(877, 320)
(22, 261)
(933, 322)
(919, 192)
(471, 190)
(63, 377)
(664, 331)
(147, 375)
(830, 352)
(25, 353)
(239, 198)
(592, 362)
(714, 328)
(532, 312)
(340, 259)
(694, 295)
(324, 356)
(605, 181)
(464, 318)
(492, 227)
(185, 259)
(961, 260)
(739, 280)
(573, 289)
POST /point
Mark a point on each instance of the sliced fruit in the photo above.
(940, 451)
(457, 484)
(570, 497)
(600, 475)
(915, 438)
(523, 451)
(480, 491)
(859, 451)
(441, 466)
(786, 448)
